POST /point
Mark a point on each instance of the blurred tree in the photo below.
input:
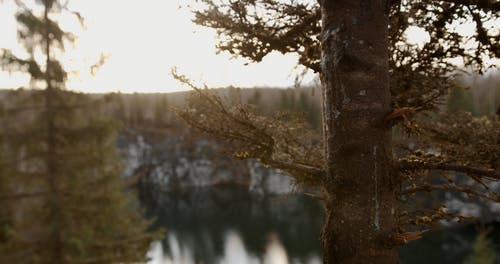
(118, 112)
(373, 77)
(460, 100)
(303, 104)
(287, 100)
(5, 214)
(60, 173)
(486, 93)
(483, 251)
(161, 111)
(256, 97)
(312, 111)
(137, 110)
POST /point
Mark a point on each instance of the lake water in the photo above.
(234, 226)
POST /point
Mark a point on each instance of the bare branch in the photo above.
(316, 196)
(405, 238)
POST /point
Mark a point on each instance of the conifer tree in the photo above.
(118, 107)
(137, 110)
(60, 172)
(460, 100)
(161, 111)
(483, 251)
(373, 78)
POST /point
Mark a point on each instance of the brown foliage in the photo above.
(283, 141)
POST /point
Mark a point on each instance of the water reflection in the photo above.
(234, 252)
(226, 226)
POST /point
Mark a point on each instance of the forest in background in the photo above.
(479, 95)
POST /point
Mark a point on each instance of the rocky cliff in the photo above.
(178, 161)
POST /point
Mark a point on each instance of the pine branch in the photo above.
(425, 217)
(406, 165)
(269, 140)
(449, 187)
(313, 172)
(487, 5)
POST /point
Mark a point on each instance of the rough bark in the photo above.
(359, 186)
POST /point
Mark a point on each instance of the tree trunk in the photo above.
(56, 242)
(360, 186)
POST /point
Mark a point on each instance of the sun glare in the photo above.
(142, 42)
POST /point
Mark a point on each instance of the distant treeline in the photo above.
(157, 111)
(478, 95)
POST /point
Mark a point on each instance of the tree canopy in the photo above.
(374, 80)
(419, 73)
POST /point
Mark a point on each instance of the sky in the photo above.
(143, 40)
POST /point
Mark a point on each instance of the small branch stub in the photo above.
(407, 237)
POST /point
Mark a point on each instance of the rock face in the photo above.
(485, 211)
(176, 161)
